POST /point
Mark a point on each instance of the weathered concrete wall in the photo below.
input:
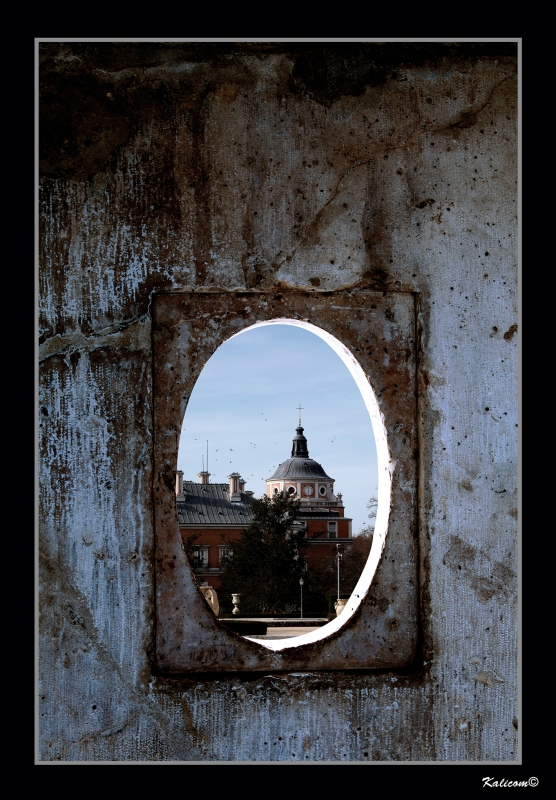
(386, 167)
(379, 329)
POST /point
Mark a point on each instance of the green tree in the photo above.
(265, 564)
(372, 505)
(354, 560)
(357, 554)
(189, 546)
(322, 580)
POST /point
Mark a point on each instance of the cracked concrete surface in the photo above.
(279, 168)
(122, 335)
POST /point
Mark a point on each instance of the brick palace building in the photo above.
(213, 509)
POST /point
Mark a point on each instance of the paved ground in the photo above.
(286, 633)
(288, 622)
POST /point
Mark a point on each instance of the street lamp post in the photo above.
(301, 586)
(338, 559)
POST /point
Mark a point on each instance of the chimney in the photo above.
(179, 485)
(203, 477)
(242, 484)
(234, 487)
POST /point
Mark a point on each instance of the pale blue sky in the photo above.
(245, 404)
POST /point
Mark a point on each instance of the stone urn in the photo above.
(235, 601)
(339, 606)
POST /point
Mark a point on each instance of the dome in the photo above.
(300, 469)
(300, 466)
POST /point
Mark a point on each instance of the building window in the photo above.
(201, 557)
(332, 530)
(322, 491)
(291, 490)
(223, 554)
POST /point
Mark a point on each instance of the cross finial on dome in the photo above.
(300, 409)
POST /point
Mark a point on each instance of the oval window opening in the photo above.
(283, 488)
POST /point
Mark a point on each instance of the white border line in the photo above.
(385, 467)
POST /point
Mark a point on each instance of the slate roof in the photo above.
(300, 469)
(209, 504)
(314, 513)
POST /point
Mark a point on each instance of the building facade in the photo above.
(207, 511)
